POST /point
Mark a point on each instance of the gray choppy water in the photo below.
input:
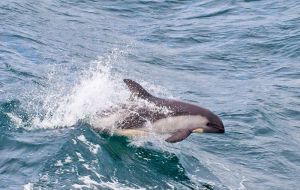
(62, 61)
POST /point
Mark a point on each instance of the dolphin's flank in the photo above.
(179, 122)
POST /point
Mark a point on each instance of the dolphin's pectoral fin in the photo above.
(136, 89)
(179, 136)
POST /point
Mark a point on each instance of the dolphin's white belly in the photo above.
(173, 124)
(167, 125)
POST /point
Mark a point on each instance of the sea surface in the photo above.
(63, 61)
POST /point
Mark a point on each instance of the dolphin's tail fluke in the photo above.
(136, 89)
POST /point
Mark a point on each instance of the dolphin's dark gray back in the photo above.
(178, 108)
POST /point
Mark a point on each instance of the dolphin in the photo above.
(164, 116)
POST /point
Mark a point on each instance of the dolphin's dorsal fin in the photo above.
(136, 89)
(179, 136)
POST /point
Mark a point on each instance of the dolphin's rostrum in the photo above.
(178, 119)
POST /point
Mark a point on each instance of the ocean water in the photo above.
(62, 61)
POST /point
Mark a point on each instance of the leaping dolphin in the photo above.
(178, 119)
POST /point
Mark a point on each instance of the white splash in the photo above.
(74, 141)
(92, 147)
(28, 186)
(74, 95)
(89, 183)
(58, 163)
(80, 158)
(15, 119)
(68, 160)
